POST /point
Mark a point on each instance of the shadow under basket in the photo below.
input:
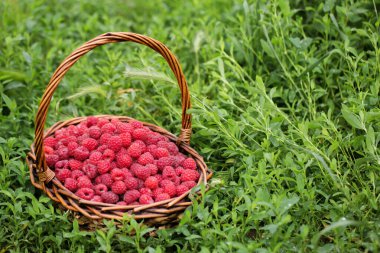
(43, 177)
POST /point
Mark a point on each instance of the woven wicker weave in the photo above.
(42, 177)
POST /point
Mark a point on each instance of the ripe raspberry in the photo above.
(48, 150)
(168, 173)
(170, 189)
(94, 132)
(179, 171)
(145, 199)
(164, 161)
(50, 142)
(159, 178)
(109, 197)
(100, 188)
(153, 168)
(189, 164)
(134, 150)
(118, 187)
(82, 129)
(176, 180)
(121, 203)
(102, 122)
(104, 166)
(126, 139)
(152, 138)
(165, 182)
(126, 172)
(151, 182)
(75, 164)
(136, 124)
(84, 182)
(150, 148)
(189, 175)
(160, 152)
(104, 139)
(73, 130)
(145, 158)
(75, 174)
(123, 160)
(140, 134)
(189, 184)
(142, 172)
(114, 143)
(60, 133)
(81, 138)
(115, 122)
(96, 198)
(142, 145)
(72, 145)
(64, 164)
(162, 144)
(90, 144)
(131, 183)
(156, 192)
(92, 121)
(85, 193)
(117, 174)
(131, 196)
(181, 189)
(108, 128)
(108, 154)
(62, 174)
(105, 179)
(125, 128)
(146, 191)
(81, 153)
(90, 170)
(172, 148)
(140, 183)
(95, 156)
(162, 196)
(51, 160)
(71, 184)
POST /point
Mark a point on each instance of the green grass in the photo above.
(285, 112)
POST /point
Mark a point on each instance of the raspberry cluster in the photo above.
(119, 163)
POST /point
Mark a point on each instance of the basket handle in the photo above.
(44, 173)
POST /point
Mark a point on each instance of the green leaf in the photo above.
(352, 118)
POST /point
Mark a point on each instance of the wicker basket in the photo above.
(42, 177)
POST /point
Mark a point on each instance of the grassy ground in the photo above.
(285, 111)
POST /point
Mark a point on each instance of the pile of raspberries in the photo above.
(120, 163)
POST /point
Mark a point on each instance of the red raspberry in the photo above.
(142, 145)
(51, 160)
(151, 182)
(117, 174)
(100, 188)
(146, 191)
(179, 159)
(131, 183)
(125, 128)
(126, 139)
(156, 192)
(108, 154)
(81, 138)
(176, 180)
(123, 161)
(104, 139)
(48, 150)
(72, 145)
(82, 129)
(60, 133)
(75, 174)
(90, 170)
(126, 172)
(106, 179)
(150, 148)
(181, 189)
(73, 130)
(142, 172)
(84, 182)
(94, 132)
(108, 128)
(62, 174)
(160, 152)
(189, 175)
(134, 150)
(90, 144)
(168, 173)
(118, 187)
(153, 138)
(115, 121)
(145, 158)
(71, 184)
(140, 182)
(75, 164)
(85, 193)
(163, 162)
(159, 178)
(140, 134)
(64, 164)
(162, 144)
(114, 143)
(172, 148)
(102, 122)
(95, 156)
(81, 153)
(189, 184)
(131, 196)
(166, 182)
(145, 199)
(189, 164)
(170, 189)
(179, 171)
(92, 121)
(162, 196)
(50, 142)
(104, 166)
(153, 168)
(96, 198)
(109, 197)
(136, 124)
